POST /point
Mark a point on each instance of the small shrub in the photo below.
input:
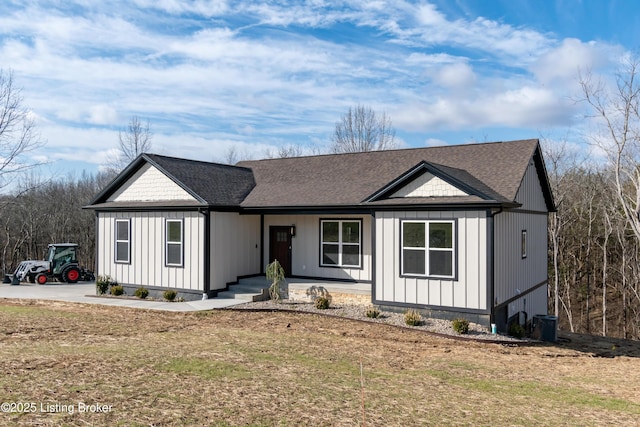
(412, 318)
(322, 303)
(516, 330)
(102, 284)
(460, 325)
(142, 292)
(170, 294)
(275, 273)
(117, 290)
(372, 313)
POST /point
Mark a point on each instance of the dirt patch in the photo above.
(598, 346)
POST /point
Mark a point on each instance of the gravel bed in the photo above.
(357, 312)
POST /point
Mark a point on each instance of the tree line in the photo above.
(594, 256)
(37, 214)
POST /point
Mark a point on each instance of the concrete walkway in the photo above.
(86, 293)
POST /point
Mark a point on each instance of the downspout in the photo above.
(373, 256)
(491, 263)
(97, 244)
(206, 288)
(261, 244)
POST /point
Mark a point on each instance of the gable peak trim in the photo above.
(419, 170)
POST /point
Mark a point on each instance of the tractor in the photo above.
(61, 264)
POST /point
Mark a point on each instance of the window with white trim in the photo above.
(123, 241)
(340, 243)
(174, 242)
(428, 248)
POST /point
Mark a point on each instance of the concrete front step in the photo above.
(246, 293)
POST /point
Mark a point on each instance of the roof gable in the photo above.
(428, 185)
(149, 184)
(428, 180)
(204, 183)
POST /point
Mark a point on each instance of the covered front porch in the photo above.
(299, 289)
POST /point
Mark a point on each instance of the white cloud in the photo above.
(564, 61)
(102, 115)
(501, 40)
(206, 8)
(455, 76)
(528, 107)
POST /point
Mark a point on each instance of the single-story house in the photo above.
(452, 230)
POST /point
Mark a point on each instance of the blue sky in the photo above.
(212, 75)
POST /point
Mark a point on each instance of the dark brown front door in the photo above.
(280, 247)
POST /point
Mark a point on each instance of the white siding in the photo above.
(428, 185)
(149, 184)
(513, 274)
(468, 291)
(147, 266)
(305, 246)
(530, 191)
(235, 247)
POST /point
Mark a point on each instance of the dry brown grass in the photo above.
(262, 369)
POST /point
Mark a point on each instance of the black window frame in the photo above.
(167, 242)
(341, 244)
(117, 241)
(426, 249)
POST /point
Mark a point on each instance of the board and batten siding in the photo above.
(468, 291)
(514, 275)
(147, 264)
(305, 246)
(235, 247)
(530, 193)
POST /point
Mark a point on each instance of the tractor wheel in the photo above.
(71, 275)
(31, 278)
(41, 279)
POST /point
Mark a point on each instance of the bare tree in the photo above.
(559, 160)
(361, 129)
(619, 115)
(17, 131)
(133, 141)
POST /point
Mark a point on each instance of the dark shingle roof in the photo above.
(214, 183)
(496, 169)
(492, 171)
(211, 184)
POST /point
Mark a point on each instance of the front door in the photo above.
(280, 247)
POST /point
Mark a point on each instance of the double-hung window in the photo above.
(123, 241)
(174, 242)
(340, 243)
(428, 248)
